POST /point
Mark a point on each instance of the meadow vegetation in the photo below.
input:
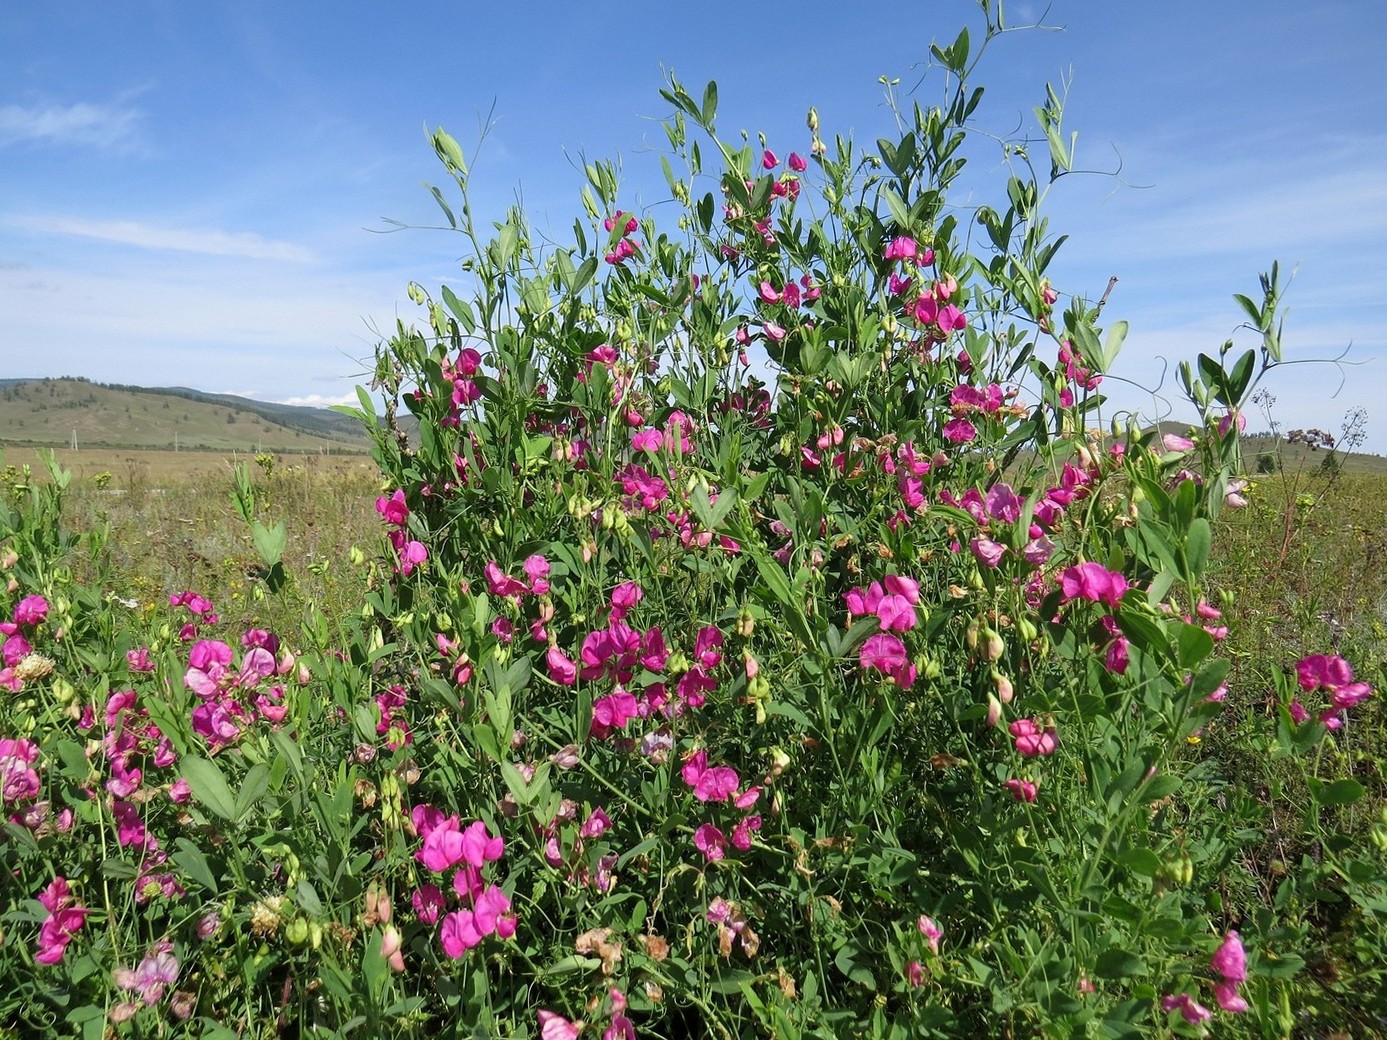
(760, 633)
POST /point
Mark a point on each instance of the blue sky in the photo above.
(188, 192)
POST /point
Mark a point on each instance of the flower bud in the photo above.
(1004, 687)
(993, 645)
(812, 120)
(391, 944)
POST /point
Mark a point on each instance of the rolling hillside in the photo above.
(54, 412)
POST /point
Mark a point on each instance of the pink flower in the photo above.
(1021, 790)
(988, 552)
(959, 431)
(902, 247)
(711, 842)
(931, 931)
(562, 669)
(796, 162)
(915, 974)
(556, 1027)
(596, 824)
(882, 652)
(1031, 741)
(951, 319)
(715, 784)
(1193, 1012)
(393, 509)
(1228, 997)
(1173, 442)
(459, 933)
(428, 903)
(647, 440)
(1093, 581)
(1230, 959)
(31, 610)
(769, 160)
(741, 834)
(158, 969)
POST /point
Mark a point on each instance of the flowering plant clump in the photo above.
(763, 641)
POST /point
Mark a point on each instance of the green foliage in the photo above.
(762, 644)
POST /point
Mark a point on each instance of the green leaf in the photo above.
(1118, 963)
(1141, 861)
(209, 786)
(899, 213)
(710, 104)
(191, 859)
(1195, 645)
(269, 541)
(461, 310)
(1112, 344)
(253, 788)
(1340, 792)
(1197, 543)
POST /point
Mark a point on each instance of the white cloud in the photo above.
(83, 123)
(318, 400)
(208, 241)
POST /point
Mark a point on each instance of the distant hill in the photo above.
(52, 412)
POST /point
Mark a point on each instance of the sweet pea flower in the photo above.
(1230, 959)
(1193, 1012)
(711, 842)
(556, 1027)
(1031, 741)
(931, 931)
(1021, 790)
(1092, 581)
(31, 610)
(988, 552)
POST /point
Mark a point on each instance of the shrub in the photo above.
(764, 645)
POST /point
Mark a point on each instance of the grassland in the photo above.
(53, 412)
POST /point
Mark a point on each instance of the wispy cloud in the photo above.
(82, 123)
(208, 241)
(319, 400)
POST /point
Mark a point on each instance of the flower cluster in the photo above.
(1332, 674)
(65, 919)
(447, 845)
(410, 552)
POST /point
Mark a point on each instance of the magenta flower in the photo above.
(1021, 790)
(883, 653)
(711, 842)
(959, 431)
(1093, 581)
(1193, 1012)
(1031, 741)
(902, 247)
(556, 1027)
(459, 933)
(769, 160)
(209, 665)
(562, 669)
(647, 440)
(931, 931)
(988, 552)
(1230, 959)
(393, 509)
(796, 162)
(31, 610)
(18, 780)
